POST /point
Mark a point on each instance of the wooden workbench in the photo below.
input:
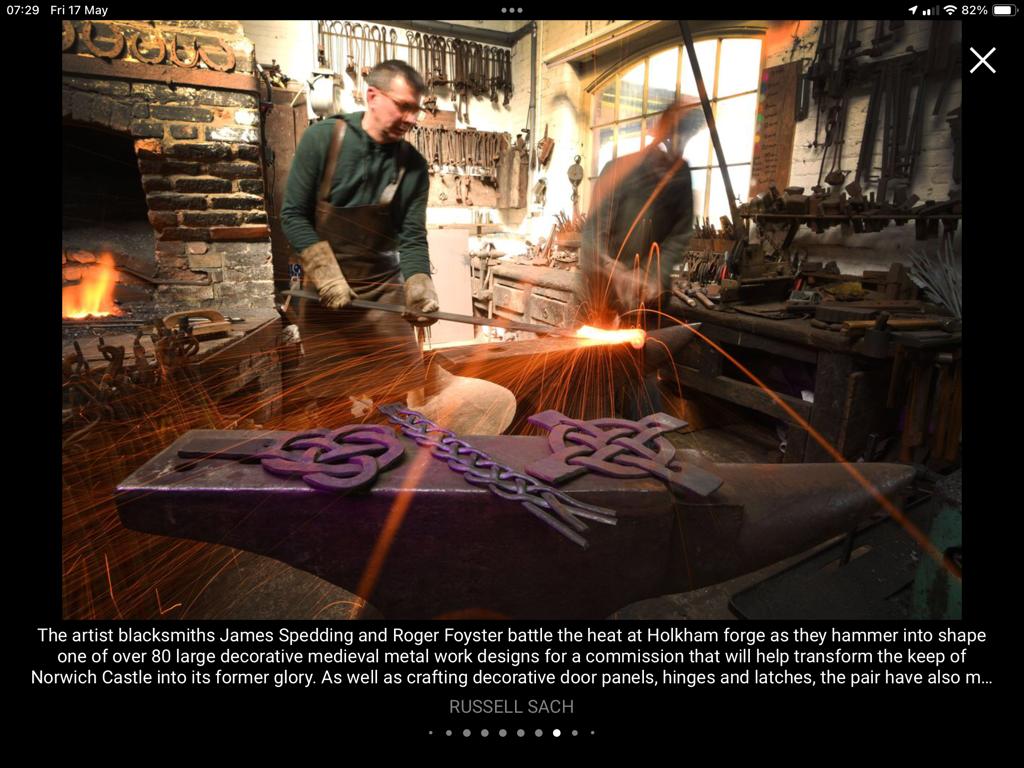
(849, 390)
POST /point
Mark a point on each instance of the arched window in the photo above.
(627, 104)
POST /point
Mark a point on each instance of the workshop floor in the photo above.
(256, 587)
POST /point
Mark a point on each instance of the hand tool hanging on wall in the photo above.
(479, 79)
(938, 50)
(867, 142)
(440, 50)
(364, 39)
(953, 118)
(359, 48)
(377, 44)
(544, 148)
(476, 152)
(834, 102)
(470, 73)
(429, 55)
(493, 64)
(893, 137)
(575, 177)
(464, 68)
(820, 71)
(323, 29)
(883, 41)
(507, 78)
(940, 56)
(460, 81)
(351, 68)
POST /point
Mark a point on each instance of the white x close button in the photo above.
(982, 60)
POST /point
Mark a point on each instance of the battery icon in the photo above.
(1004, 10)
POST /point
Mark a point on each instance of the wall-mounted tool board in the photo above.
(776, 127)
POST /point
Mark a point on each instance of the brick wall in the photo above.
(198, 152)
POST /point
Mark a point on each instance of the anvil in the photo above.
(459, 549)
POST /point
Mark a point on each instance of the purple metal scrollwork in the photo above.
(345, 459)
(617, 448)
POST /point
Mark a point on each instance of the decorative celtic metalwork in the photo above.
(553, 507)
(345, 459)
(617, 448)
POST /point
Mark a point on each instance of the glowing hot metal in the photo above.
(635, 337)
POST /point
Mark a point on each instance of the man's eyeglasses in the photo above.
(405, 108)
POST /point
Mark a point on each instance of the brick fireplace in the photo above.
(179, 100)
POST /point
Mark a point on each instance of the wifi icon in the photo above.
(949, 9)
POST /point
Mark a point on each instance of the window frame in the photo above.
(614, 77)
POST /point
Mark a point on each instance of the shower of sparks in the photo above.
(102, 559)
(110, 571)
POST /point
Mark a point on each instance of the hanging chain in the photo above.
(555, 508)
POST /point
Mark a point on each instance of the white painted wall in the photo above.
(291, 43)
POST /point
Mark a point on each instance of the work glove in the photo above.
(420, 296)
(321, 267)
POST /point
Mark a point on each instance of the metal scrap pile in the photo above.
(121, 391)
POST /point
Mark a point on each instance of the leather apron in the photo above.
(351, 352)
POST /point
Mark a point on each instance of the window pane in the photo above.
(604, 144)
(604, 105)
(706, 58)
(740, 66)
(699, 179)
(629, 138)
(661, 82)
(631, 92)
(735, 119)
(696, 149)
(739, 175)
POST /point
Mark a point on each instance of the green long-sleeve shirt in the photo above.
(364, 168)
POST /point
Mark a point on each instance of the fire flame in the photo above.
(94, 295)
(632, 336)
